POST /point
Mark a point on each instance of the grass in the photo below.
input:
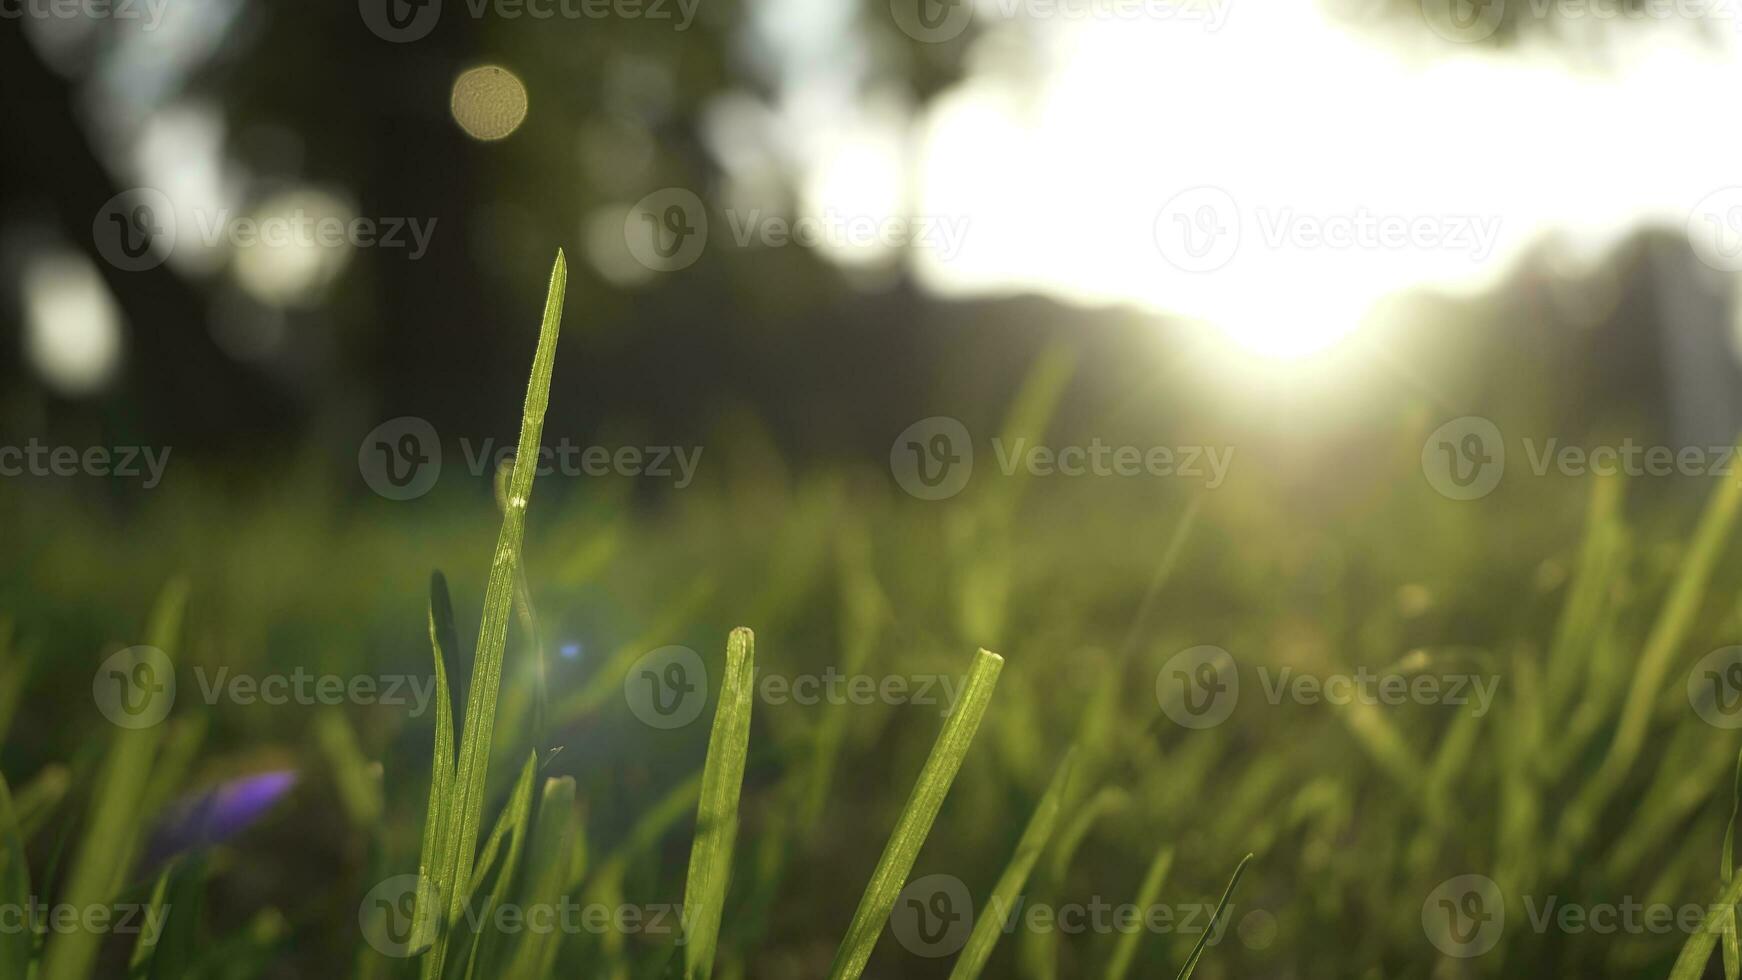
(1053, 779)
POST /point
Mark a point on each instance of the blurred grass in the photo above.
(1591, 779)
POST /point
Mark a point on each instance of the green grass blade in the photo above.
(1732, 951)
(139, 964)
(39, 798)
(113, 823)
(1667, 633)
(547, 858)
(717, 813)
(516, 818)
(14, 671)
(1191, 964)
(1691, 964)
(473, 762)
(1034, 839)
(14, 888)
(359, 787)
(434, 866)
(1125, 950)
(916, 818)
(176, 945)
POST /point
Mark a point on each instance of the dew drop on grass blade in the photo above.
(916, 818)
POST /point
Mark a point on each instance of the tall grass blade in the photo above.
(1732, 950)
(1125, 950)
(516, 818)
(1667, 633)
(1034, 839)
(1191, 964)
(473, 761)
(916, 818)
(547, 858)
(717, 813)
(435, 863)
(113, 824)
(1691, 964)
(14, 888)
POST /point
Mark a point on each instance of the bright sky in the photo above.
(1278, 173)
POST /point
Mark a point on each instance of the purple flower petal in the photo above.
(217, 814)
